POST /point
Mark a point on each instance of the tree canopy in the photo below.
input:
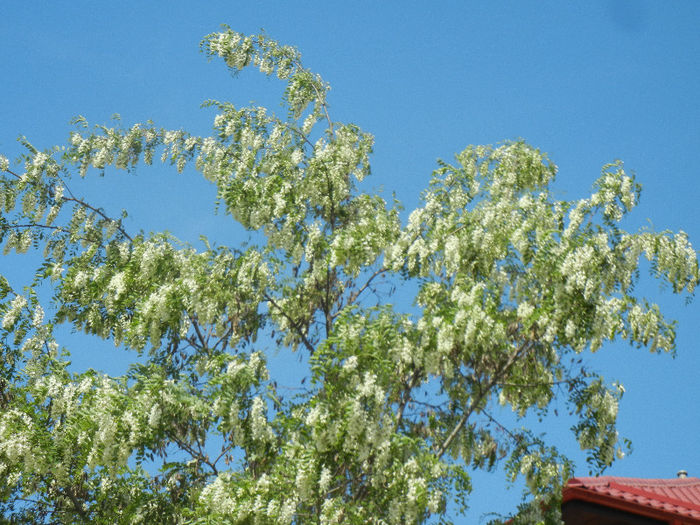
(397, 403)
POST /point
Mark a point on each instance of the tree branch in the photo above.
(482, 394)
(77, 506)
(195, 325)
(294, 324)
(322, 100)
(407, 396)
(198, 455)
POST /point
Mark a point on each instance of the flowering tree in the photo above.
(398, 403)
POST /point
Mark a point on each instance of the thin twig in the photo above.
(353, 296)
(73, 198)
(13, 173)
(100, 213)
(35, 225)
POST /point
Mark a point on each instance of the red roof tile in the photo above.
(677, 497)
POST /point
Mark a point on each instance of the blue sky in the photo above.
(588, 82)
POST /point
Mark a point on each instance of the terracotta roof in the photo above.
(674, 497)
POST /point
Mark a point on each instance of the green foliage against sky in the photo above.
(397, 404)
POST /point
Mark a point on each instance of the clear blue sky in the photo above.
(588, 82)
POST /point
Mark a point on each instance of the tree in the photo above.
(399, 403)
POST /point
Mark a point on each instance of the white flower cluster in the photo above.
(14, 312)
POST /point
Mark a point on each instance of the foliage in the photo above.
(511, 286)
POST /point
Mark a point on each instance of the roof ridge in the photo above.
(655, 482)
(654, 495)
(663, 482)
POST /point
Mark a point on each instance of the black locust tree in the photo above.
(397, 405)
